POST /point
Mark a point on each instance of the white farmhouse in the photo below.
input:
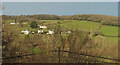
(50, 32)
(43, 27)
(68, 31)
(25, 32)
(40, 31)
(33, 32)
(12, 23)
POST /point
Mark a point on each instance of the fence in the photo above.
(63, 51)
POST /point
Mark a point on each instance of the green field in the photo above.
(47, 22)
(92, 26)
(109, 30)
(109, 39)
(83, 25)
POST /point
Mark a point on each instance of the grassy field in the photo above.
(83, 25)
(110, 39)
(48, 22)
(92, 26)
(109, 30)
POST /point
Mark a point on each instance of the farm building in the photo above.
(12, 23)
(43, 27)
(40, 31)
(25, 32)
(24, 23)
(33, 32)
(68, 32)
(50, 32)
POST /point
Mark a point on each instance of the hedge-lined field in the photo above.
(87, 26)
(83, 25)
(92, 26)
(109, 30)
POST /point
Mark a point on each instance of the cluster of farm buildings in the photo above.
(38, 31)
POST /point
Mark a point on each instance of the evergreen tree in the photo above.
(33, 24)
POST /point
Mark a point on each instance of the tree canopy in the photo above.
(33, 24)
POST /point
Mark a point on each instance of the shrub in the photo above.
(33, 24)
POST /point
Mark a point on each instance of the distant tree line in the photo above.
(103, 19)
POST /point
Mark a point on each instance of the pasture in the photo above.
(83, 25)
(109, 30)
